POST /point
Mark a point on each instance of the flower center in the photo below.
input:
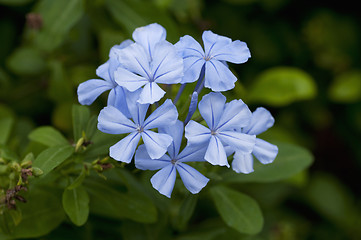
(214, 132)
(173, 161)
(139, 129)
(207, 57)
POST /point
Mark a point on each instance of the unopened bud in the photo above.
(98, 168)
(37, 171)
(27, 161)
(79, 144)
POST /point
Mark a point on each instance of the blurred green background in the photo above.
(305, 68)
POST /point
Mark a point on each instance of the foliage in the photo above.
(304, 68)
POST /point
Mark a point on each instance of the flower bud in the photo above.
(37, 171)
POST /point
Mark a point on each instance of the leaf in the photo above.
(186, 211)
(26, 61)
(237, 210)
(346, 88)
(41, 214)
(51, 157)
(280, 86)
(108, 202)
(48, 136)
(291, 159)
(79, 180)
(5, 129)
(76, 205)
(58, 18)
(333, 201)
(60, 88)
(81, 116)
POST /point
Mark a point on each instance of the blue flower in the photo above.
(172, 162)
(218, 50)
(221, 119)
(147, 62)
(90, 90)
(111, 120)
(264, 151)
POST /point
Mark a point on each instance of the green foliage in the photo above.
(48, 136)
(237, 210)
(281, 86)
(76, 205)
(346, 87)
(291, 159)
(26, 61)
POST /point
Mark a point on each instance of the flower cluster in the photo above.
(134, 74)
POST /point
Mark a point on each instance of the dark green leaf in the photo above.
(58, 18)
(106, 201)
(79, 180)
(291, 159)
(81, 117)
(40, 215)
(15, 2)
(26, 61)
(48, 136)
(52, 157)
(60, 87)
(237, 210)
(281, 86)
(5, 129)
(186, 211)
(346, 87)
(76, 205)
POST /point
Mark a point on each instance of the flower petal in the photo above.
(167, 65)
(215, 154)
(89, 90)
(144, 162)
(103, 71)
(135, 59)
(196, 133)
(213, 42)
(211, 108)
(218, 77)
(156, 143)
(176, 132)
(192, 69)
(235, 52)
(188, 47)
(165, 115)
(116, 98)
(124, 149)
(242, 162)
(164, 180)
(113, 121)
(236, 114)
(261, 120)
(238, 141)
(129, 80)
(151, 93)
(193, 153)
(124, 44)
(193, 180)
(148, 36)
(136, 110)
(264, 151)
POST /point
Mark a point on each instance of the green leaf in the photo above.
(60, 88)
(335, 202)
(41, 214)
(186, 211)
(81, 117)
(76, 205)
(108, 202)
(48, 136)
(79, 180)
(26, 61)
(346, 88)
(5, 129)
(291, 159)
(50, 158)
(280, 86)
(237, 210)
(58, 18)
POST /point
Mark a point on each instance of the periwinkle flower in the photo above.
(147, 62)
(111, 120)
(90, 90)
(170, 163)
(217, 50)
(264, 151)
(222, 118)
